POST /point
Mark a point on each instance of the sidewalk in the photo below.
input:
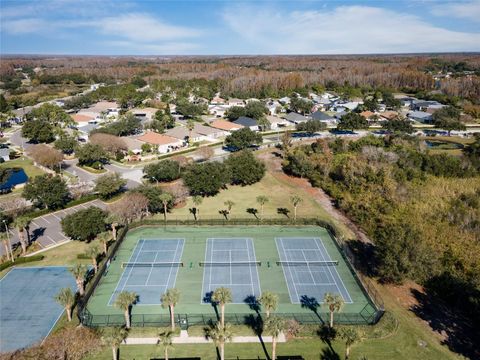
(185, 339)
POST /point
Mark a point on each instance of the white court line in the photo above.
(43, 218)
(287, 269)
(151, 269)
(338, 275)
(202, 295)
(171, 267)
(57, 217)
(309, 270)
(121, 276)
(250, 268)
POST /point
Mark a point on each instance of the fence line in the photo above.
(370, 314)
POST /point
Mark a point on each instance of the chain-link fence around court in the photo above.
(370, 314)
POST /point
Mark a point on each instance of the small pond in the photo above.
(11, 177)
(446, 145)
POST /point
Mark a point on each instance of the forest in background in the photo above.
(262, 76)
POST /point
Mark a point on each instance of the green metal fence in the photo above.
(370, 314)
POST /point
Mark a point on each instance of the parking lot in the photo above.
(46, 230)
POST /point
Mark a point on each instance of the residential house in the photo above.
(144, 114)
(217, 110)
(423, 105)
(247, 122)
(83, 119)
(235, 102)
(389, 115)
(272, 106)
(5, 154)
(324, 117)
(209, 132)
(133, 145)
(163, 143)
(85, 130)
(295, 118)
(225, 125)
(217, 100)
(277, 122)
(182, 133)
(420, 116)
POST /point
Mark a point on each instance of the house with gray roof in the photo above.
(296, 118)
(324, 117)
(421, 116)
(247, 122)
(182, 133)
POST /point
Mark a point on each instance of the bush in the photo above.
(206, 179)
(21, 260)
(84, 224)
(163, 171)
(245, 169)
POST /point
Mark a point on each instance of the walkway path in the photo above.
(185, 339)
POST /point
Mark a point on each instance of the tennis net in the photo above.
(227, 263)
(151, 264)
(308, 263)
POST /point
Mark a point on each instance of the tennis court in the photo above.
(230, 263)
(309, 270)
(151, 270)
(28, 310)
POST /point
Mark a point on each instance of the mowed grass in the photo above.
(278, 192)
(25, 163)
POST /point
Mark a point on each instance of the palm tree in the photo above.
(269, 301)
(66, 298)
(274, 326)
(5, 241)
(124, 301)
(295, 200)
(334, 302)
(170, 300)
(166, 340)
(350, 336)
(197, 201)
(220, 335)
(113, 220)
(262, 200)
(190, 127)
(78, 272)
(114, 336)
(222, 296)
(92, 253)
(165, 198)
(229, 204)
(104, 238)
(21, 223)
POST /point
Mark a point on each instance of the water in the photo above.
(442, 144)
(15, 176)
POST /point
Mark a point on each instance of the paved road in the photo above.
(46, 230)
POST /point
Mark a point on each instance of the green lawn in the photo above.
(25, 163)
(244, 197)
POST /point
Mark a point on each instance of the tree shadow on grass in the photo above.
(312, 304)
(256, 324)
(208, 300)
(454, 321)
(283, 211)
(329, 354)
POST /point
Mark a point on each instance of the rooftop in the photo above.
(225, 125)
(157, 139)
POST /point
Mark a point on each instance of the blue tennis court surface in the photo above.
(28, 310)
(151, 282)
(230, 263)
(311, 279)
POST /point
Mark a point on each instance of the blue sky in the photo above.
(157, 27)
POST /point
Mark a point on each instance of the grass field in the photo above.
(27, 165)
(244, 197)
(190, 277)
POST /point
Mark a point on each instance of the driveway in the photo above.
(46, 230)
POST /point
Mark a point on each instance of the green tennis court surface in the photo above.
(245, 259)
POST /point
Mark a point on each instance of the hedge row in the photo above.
(21, 260)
